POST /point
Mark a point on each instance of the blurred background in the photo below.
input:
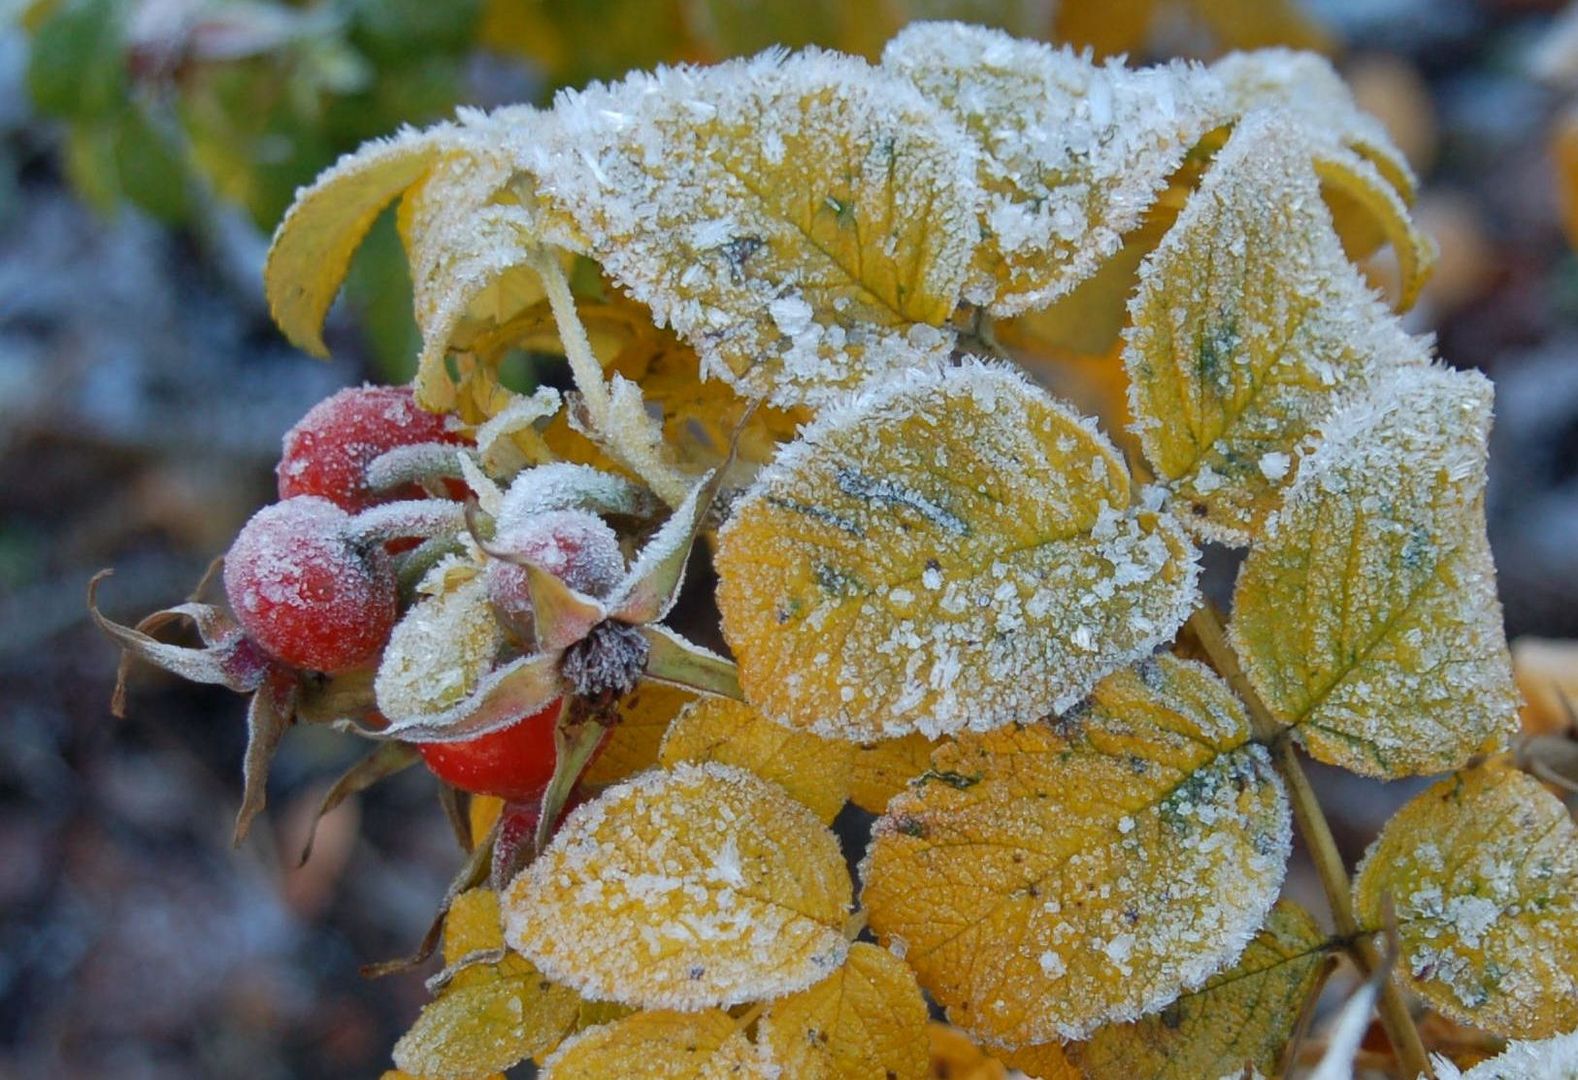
(148, 147)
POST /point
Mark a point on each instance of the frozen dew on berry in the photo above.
(305, 590)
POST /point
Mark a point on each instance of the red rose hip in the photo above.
(306, 591)
(514, 763)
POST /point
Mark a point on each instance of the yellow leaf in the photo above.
(867, 1019)
(1363, 184)
(1049, 878)
(1242, 1016)
(314, 243)
(1108, 27)
(663, 1046)
(1056, 207)
(1367, 617)
(489, 1016)
(1050, 1061)
(883, 769)
(955, 1057)
(644, 715)
(955, 550)
(1248, 323)
(812, 770)
(803, 222)
(1546, 672)
(1483, 871)
(686, 889)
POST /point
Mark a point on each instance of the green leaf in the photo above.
(1366, 617)
(76, 67)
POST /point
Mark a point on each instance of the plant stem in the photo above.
(1318, 839)
(577, 347)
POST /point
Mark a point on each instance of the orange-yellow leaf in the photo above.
(663, 1046)
(867, 1019)
(883, 769)
(686, 889)
(1045, 879)
(956, 550)
(1482, 870)
(813, 770)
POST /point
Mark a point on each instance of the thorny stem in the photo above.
(1318, 838)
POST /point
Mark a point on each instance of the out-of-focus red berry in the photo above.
(329, 449)
(306, 591)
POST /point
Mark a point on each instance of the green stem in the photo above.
(1318, 839)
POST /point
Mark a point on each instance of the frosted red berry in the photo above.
(513, 763)
(329, 449)
(576, 547)
(306, 591)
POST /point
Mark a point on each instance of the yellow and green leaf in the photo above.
(1056, 206)
(1248, 324)
(1366, 617)
(883, 769)
(954, 551)
(803, 223)
(1482, 871)
(1046, 879)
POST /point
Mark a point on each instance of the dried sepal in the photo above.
(955, 550)
(383, 761)
(704, 886)
(269, 715)
(1114, 857)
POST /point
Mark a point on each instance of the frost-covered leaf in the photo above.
(469, 238)
(813, 770)
(1361, 182)
(686, 889)
(1307, 86)
(663, 1046)
(867, 1019)
(1543, 1059)
(1072, 152)
(490, 1015)
(1483, 871)
(1366, 616)
(883, 769)
(1248, 322)
(954, 550)
(644, 715)
(313, 245)
(1045, 879)
(805, 222)
(1243, 1015)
